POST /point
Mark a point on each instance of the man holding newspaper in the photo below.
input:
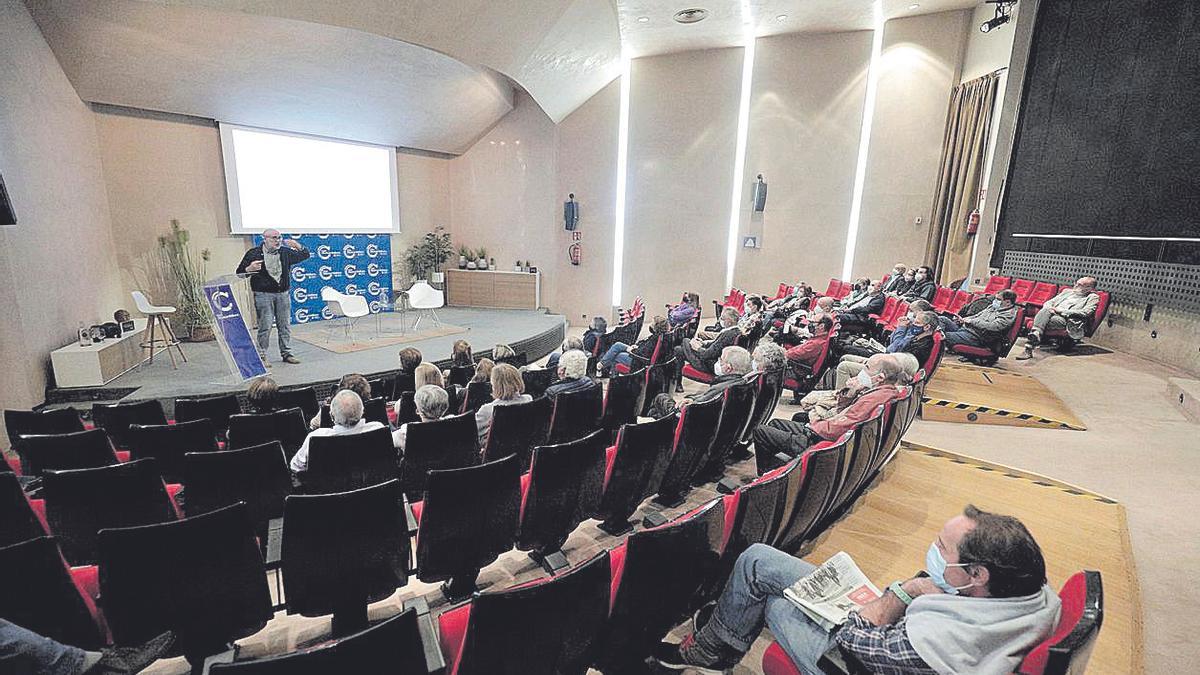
(984, 604)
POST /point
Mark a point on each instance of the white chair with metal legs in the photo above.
(349, 307)
(425, 298)
(158, 320)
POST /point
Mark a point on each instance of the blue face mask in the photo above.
(936, 565)
(996, 304)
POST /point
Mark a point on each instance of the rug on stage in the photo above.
(365, 337)
(977, 395)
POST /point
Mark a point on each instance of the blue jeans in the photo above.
(273, 308)
(962, 336)
(754, 596)
(23, 651)
(618, 353)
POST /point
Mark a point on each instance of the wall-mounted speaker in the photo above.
(760, 194)
(7, 217)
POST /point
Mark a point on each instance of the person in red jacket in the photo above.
(807, 352)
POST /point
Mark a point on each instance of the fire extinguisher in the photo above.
(575, 253)
(973, 222)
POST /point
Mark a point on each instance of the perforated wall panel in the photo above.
(1130, 281)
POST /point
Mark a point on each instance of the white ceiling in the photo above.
(273, 73)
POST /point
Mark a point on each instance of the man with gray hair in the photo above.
(730, 369)
(572, 374)
(346, 410)
(431, 402)
(1070, 310)
(703, 355)
(768, 357)
(270, 268)
(875, 385)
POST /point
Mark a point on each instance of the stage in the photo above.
(533, 332)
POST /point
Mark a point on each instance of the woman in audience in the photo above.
(753, 318)
(483, 370)
(572, 375)
(354, 382)
(432, 404)
(410, 358)
(923, 286)
(684, 311)
(262, 394)
(592, 335)
(567, 345)
(503, 353)
(620, 352)
(427, 373)
(507, 388)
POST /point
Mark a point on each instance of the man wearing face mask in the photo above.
(984, 605)
(897, 283)
(919, 344)
(1071, 310)
(730, 369)
(806, 353)
(923, 286)
(872, 387)
(856, 316)
(703, 355)
(988, 326)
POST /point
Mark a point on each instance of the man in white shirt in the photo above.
(346, 409)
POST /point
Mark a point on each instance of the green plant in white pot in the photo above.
(482, 263)
(188, 269)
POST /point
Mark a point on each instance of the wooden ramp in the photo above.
(891, 526)
(977, 395)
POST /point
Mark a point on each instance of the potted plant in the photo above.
(188, 270)
(483, 260)
(463, 254)
(425, 258)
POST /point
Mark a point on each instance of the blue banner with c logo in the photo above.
(241, 349)
(355, 264)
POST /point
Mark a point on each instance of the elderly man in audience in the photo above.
(822, 404)
(807, 352)
(701, 354)
(567, 345)
(432, 402)
(1071, 309)
(856, 316)
(768, 357)
(876, 384)
(798, 299)
(508, 388)
(572, 375)
(897, 284)
(919, 344)
(795, 327)
(923, 287)
(346, 409)
(733, 366)
(987, 327)
(984, 605)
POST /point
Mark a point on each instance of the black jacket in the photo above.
(260, 281)
(922, 290)
(718, 387)
(921, 348)
(710, 352)
(874, 306)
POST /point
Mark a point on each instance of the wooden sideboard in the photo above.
(493, 288)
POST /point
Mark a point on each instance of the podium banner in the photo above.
(238, 345)
(354, 264)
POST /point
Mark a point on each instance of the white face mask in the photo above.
(864, 379)
(753, 365)
(719, 369)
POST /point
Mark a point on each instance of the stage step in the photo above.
(1185, 393)
(978, 395)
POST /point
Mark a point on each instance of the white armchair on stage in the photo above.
(350, 307)
(158, 319)
(425, 298)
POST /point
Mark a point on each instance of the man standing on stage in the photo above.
(270, 266)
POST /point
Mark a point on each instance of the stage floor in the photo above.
(205, 373)
(977, 395)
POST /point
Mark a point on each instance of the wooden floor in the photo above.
(891, 527)
(977, 395)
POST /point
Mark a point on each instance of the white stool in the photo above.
(157, 316)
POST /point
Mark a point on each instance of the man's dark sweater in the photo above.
(261, 281)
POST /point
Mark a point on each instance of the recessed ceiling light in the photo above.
(691, 15)
(643, 19)
(781, 17)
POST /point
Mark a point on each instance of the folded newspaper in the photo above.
(831, 591)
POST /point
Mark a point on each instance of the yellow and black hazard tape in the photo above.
(1007, 472)
(999, 412)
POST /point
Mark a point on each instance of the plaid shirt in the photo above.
(884, 650)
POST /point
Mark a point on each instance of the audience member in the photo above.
(795, 328)
(896, 283)
(685, 311)
(984, 605)
(730, 369)
(427, 373)
(1071, 309)
(410, 358)
(620, 352)
(591, 337)
(987, 327)
(24, 652)
(923, 286)
(503, 353)
(346, 409)
(919, 345)
(875, 385)
(857, 292)
(856, 316)
(768, 357)
(508, 388)
(355, 383)
(799, 299)
(807, 352)
(753, 318)
(432, 403)
(483, 370)
(572, 375)
(262, 394)
(700, 354)
(567, 345)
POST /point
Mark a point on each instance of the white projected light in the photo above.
(297, 183)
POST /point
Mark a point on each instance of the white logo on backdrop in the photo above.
(302, 316)
(351, 271)
(349, 251)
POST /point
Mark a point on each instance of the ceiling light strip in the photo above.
(864, 141)
(622, 161)
(739, 161)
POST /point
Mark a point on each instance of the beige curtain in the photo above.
(964, 147)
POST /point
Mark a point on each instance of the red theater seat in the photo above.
(942, 298)
(1068, 649)
(623, 400)
(517, 429)
(987, 357)
(961, 299)
(565, 485)
(634, 468)
(449, 443)
(996, 284)
(42, 594)
(1023, 288)
(693, 437)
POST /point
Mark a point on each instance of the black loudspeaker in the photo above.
(7, 217)
(760, 194)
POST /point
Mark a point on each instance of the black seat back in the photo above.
(288, 426)
(81, 502)
(406, 409)
(658, 381)
(624, 400)
(863, 450)
(544, 628)
(78, 450)
(576, 414)
(404, 382)
(516, 429)
(737, 407)
(661, 571)
(201, 577)
(216, 409)
(304, 398)
(693, 437)
(38, 594)
(469, 517)
(115, 418)
(537, 380)
(449, 443)
(374, 410)
(476, 394)
(460, 375)
(18, 522)
(642, 454)
(769, 387)
(821, 470)
(168, 443)
(257, 475)
(349, 461)
(565, 484)
(344, 549)
(395, 642)
(40, 422)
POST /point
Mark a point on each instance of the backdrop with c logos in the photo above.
(355, 264)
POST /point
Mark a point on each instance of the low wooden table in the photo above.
(493, 288)
(99, 363)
